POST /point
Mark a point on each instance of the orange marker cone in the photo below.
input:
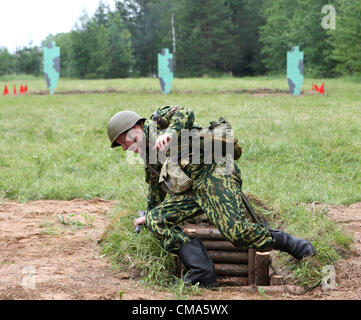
(6, 90)
(14, 89)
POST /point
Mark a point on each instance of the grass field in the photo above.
(296, 150)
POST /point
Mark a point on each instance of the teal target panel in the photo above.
(51, 65)
(165, 70)
(295, 70)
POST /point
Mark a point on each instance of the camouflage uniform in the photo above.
(214, 193)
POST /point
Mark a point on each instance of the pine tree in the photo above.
(205, 40)
(246, 18)
(80, 47)
(101, 46)
(149, 22)
(102, 53)
(346, 37)
(121, 54)
(6, 62)
(274, 35)
(290, 23)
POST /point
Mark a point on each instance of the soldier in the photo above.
(212, 191)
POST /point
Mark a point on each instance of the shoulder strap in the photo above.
(163, 123)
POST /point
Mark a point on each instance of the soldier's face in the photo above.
(132, 140)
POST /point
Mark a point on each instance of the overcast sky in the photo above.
(25, 21)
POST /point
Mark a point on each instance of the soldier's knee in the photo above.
(238, 233)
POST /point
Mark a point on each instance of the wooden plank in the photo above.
(232, 281)
(251, 267)
(262, 262)
(238, 270)
(234, 257)
(221, 245)
(203, 233)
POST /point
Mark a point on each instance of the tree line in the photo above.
(206, 37)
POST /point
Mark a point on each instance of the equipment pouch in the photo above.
(221, 132)
(174, 177)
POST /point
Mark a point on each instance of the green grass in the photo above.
(295, 149)
(180, 85)
(142, 256)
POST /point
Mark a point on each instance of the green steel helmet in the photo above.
(121, 122)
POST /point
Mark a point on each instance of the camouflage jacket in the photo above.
(174, 119)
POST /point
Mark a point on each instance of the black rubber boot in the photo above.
(198, 264)
(298, 248)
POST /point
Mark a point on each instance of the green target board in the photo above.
(295, 70)
(51, 65)
(165, 70)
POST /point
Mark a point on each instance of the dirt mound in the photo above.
(348, 271)
(49, 250)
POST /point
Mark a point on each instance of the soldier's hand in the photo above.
(162, 142)
(139, 221)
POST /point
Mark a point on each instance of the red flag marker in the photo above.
(320, 89)
(21, 89)
(6, 90)
(14, 89)
(26, 88)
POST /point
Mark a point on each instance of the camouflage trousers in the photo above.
(218, 197)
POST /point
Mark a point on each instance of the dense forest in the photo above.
(206, 37)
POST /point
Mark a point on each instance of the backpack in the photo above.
(221, 132)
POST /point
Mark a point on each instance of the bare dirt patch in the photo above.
(45, 257)
(348, 271)
(41, 258)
